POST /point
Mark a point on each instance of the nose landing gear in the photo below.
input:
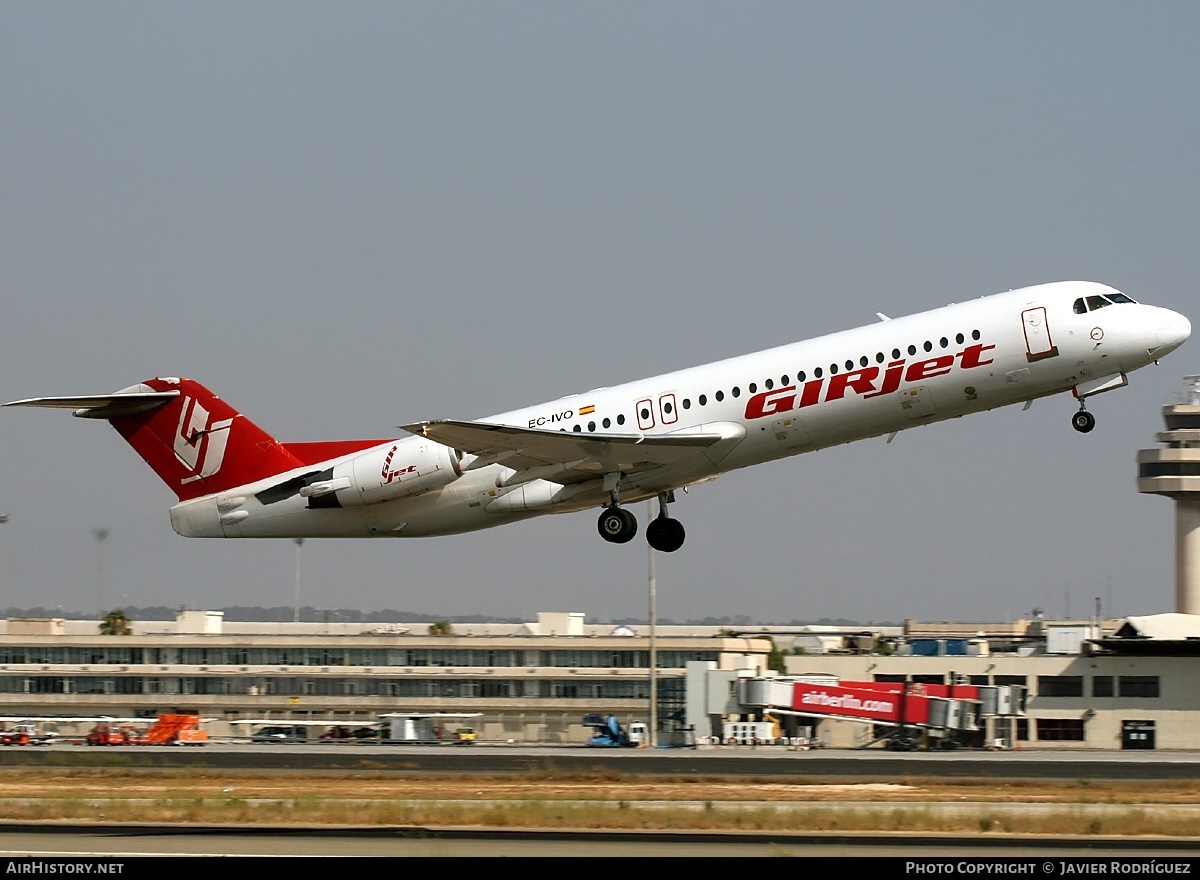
(1083, 421)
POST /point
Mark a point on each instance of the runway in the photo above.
(100, 842)
(763, 761)
(97, 840)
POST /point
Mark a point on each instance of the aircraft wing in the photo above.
(564, 457)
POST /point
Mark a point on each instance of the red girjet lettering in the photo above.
(388, 474)
(863, 382)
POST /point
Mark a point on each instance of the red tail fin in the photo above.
(198, 444)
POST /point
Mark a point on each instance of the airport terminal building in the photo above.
(1119, 684)
(529, 682)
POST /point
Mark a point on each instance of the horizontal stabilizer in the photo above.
(196, 442)
(104, 406)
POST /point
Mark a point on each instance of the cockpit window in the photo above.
(1099, 302)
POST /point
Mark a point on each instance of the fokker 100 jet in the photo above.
(612, 446)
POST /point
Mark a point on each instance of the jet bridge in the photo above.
(938, 710)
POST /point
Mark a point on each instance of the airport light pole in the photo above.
(296, 596)
(3, 519)
(652, 731)
(101, 535)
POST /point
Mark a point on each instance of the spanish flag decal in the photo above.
(586, 410)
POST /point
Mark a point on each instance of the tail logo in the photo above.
(200, 442)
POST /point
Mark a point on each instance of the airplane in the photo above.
(644, 439)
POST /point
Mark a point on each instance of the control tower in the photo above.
(1174, 471)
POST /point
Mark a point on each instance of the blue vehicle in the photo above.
(610, 734)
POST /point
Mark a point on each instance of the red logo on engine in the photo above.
(388, 474)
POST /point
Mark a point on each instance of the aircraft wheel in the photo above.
(1083, 421)
(617, 525)
(665, 534)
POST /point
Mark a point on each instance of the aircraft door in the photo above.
(1038, 343)
(667, 410)
(645, 414)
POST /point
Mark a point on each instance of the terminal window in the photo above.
(1060, 729)
(1060, 686)
(1138, 686)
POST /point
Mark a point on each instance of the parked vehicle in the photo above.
(167, 730)
(610, 734)
(113, 735)
(280, 734)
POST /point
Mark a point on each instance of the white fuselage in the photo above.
(865, 382)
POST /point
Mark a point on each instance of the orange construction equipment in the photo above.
(175, 730)
(168, 730)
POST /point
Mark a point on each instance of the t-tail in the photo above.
(196, 442)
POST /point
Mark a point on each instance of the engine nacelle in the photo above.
(398, 470)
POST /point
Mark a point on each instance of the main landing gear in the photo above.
(664, 533)
(1083, 421)
(618, 526)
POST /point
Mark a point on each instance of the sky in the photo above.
(344, 217)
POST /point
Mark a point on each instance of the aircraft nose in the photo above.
(1173, 331)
